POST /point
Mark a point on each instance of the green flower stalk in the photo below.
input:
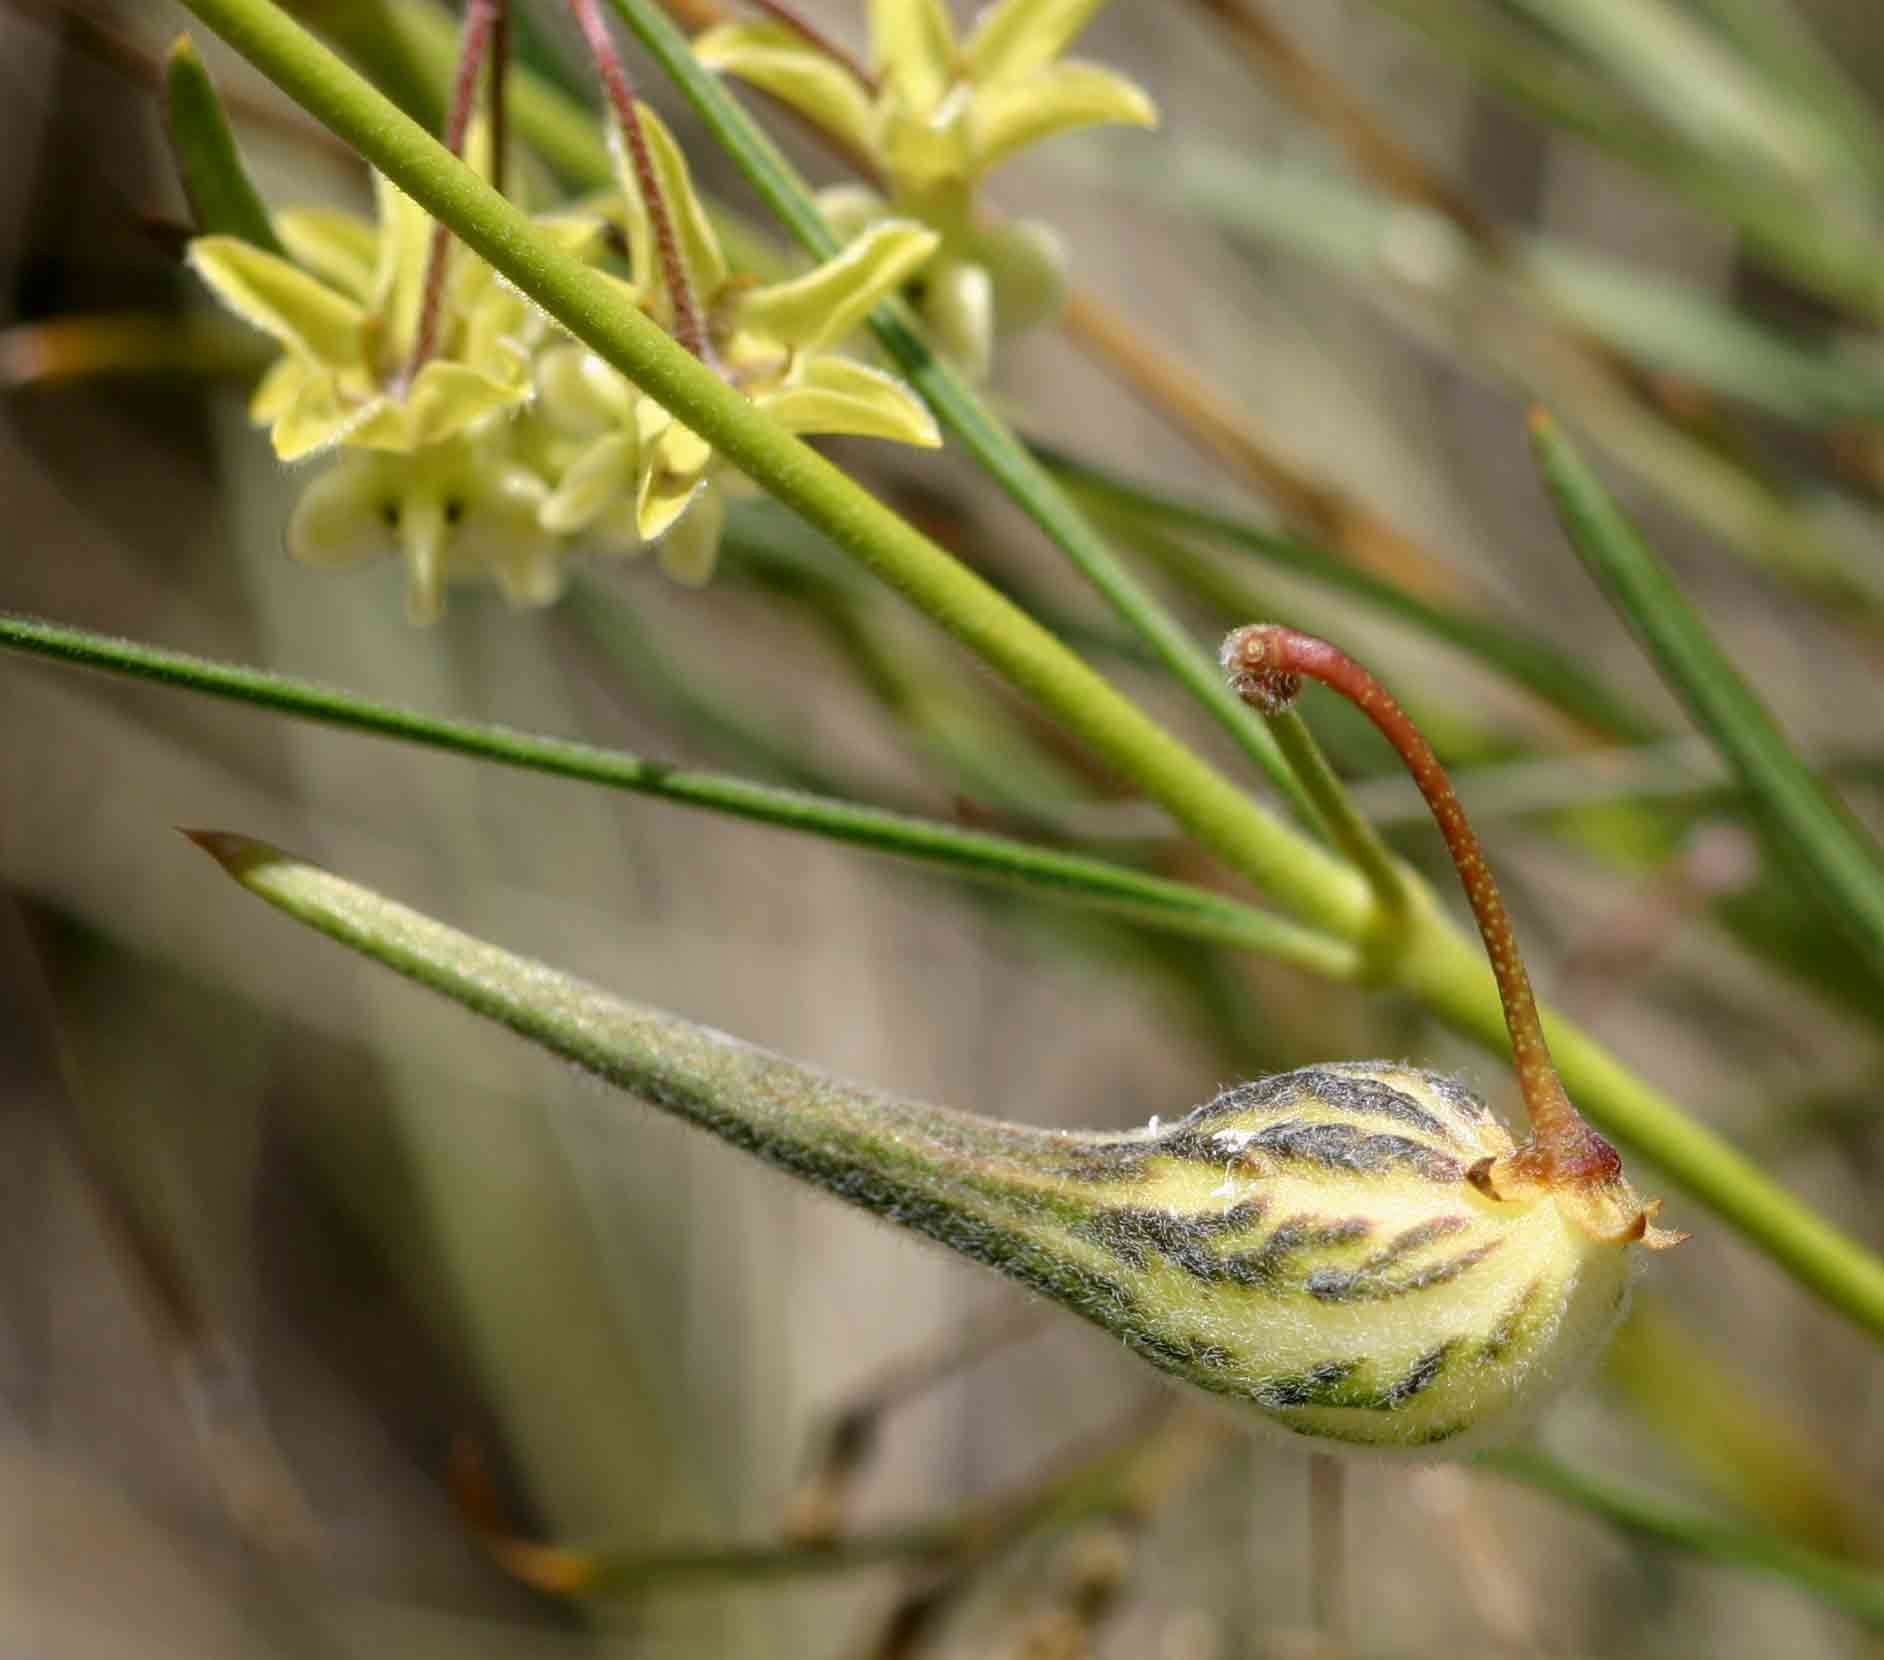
(932, 119)
(628, 472)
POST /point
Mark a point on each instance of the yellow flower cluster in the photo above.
(510, 445)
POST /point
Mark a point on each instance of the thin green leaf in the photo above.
(957, 408)
(1846, 1586)
(1830, 848)
(1528, 661)
(223, 199)
(1114, 888)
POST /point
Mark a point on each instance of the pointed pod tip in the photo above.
(1539, 422)
(183, 51)
(235, 852)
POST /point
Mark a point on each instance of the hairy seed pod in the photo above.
(1315, 1244)
(1361, 1252)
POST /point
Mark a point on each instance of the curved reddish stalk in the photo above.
(689, 330)
(1266, 664)
(484, 24)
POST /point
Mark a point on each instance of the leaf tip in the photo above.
(236, 853)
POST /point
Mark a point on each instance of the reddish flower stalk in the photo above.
(1266, 664)
(812, 35)
(689, 330)
(484, 24)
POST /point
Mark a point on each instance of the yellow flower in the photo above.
(429, 471)
(944, 113)
(629, 472)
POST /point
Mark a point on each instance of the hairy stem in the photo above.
(689, 328)
(481, 20)
(1266, 664)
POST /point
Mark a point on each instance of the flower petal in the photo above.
(405, 243)
(924, 152)
(347, 513)
(690, 550)
(699, 247)
(850, 209)
(958, 308)
(279, 389)
(912, 43)
(836, 395)
(826, 304)
(1016, 37)
(1027, 262)
(1013, 114)
(318, 419)
(779, 61)
(337, 247)
(279, 298)
(595, 481)
(448, 397)
(576, 392)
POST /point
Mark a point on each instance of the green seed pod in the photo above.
(1315, 1244)
(1360, 1252)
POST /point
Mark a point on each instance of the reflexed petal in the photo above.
(578, 393)
(279, 389)
(699, 247)
(442, 402)
(923, 152)
(690, 550)
(618, 530)
(602, 476)
(826, 304)
(530, 575)
(422, 539)
(318, 419)
(347, 513)
(850, 209)
(1013, 114)
(1016, 37)
(664, 494)
(835, 395)
(279, 298)
(912, 45)
(781, 62)
(405, 242)
(1027, 261)
(337, 247)
(958, 308)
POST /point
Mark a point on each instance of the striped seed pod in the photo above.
(1360, 1252)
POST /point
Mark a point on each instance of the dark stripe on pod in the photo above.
(1267, 1263)
(1364, 1285)
(1344, 1147)
(1356, 1091)
(1404, 1244)
(1134, 1235)
(1510, 1325)
(1467, 1103)
(1425, 1370)
(1319, 1386)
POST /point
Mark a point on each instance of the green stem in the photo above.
(1352, 834)
(1847, 1586)
(1152, 900)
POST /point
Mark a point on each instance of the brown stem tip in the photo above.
(1266, 664)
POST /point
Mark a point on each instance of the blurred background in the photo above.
(287, 1242)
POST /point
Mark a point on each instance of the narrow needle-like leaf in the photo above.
(1846, 1586)
(1827, 844)
(1117, 889)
